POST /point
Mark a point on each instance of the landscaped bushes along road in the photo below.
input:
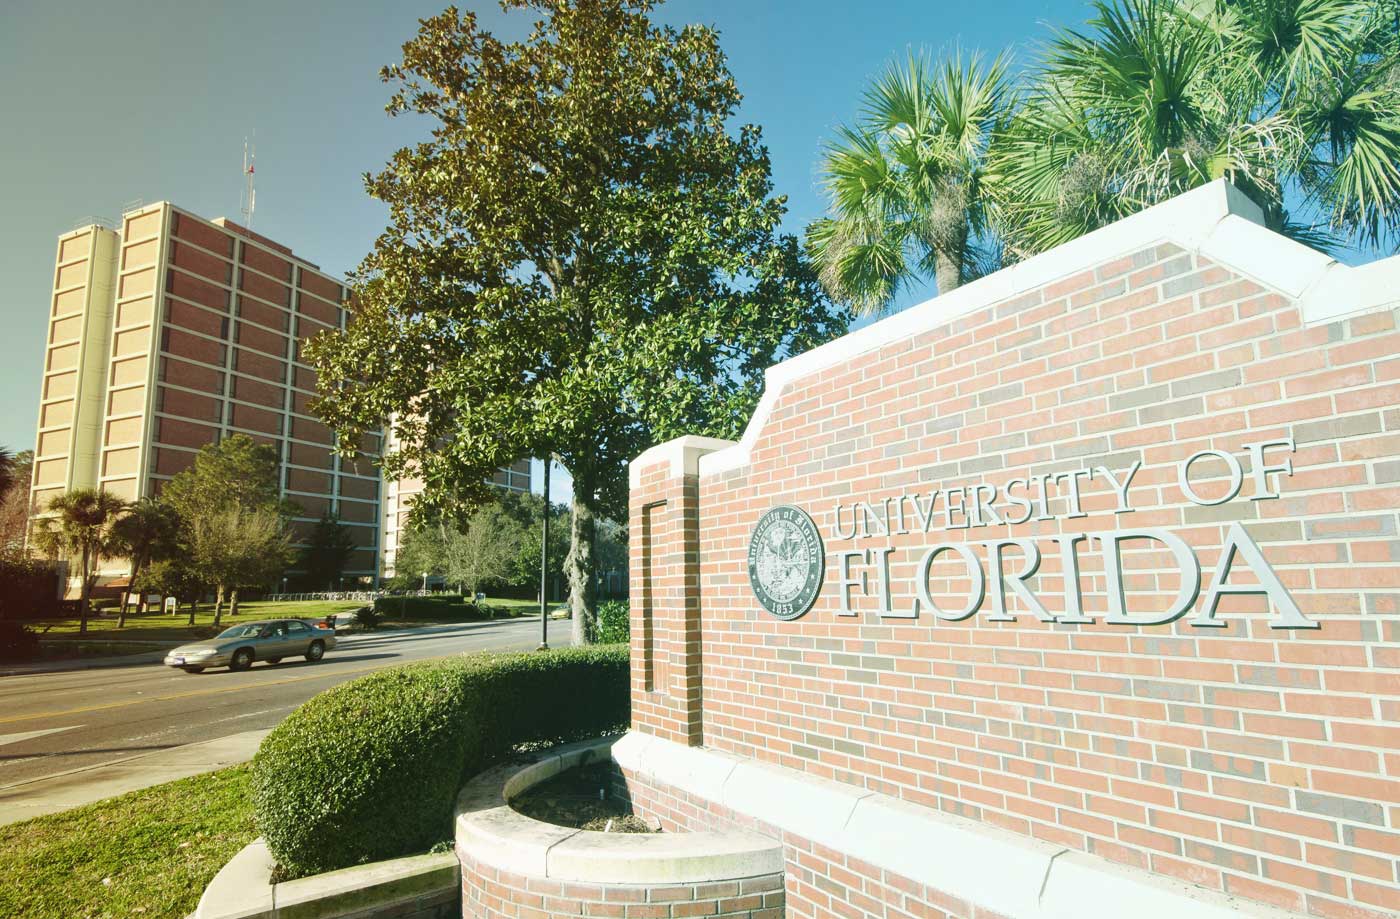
(370, 769)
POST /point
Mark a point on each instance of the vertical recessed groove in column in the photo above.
(648, 599)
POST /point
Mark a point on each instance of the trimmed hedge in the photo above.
(370, 769)
(614, 621)
(447, 607)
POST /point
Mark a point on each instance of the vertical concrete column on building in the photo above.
(665, 573)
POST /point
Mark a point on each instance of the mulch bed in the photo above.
(584, 798)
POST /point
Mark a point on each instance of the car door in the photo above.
(262, 641)
(298, 638)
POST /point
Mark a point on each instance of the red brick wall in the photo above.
(819, 881)
(665, 623)
(488, 893)
(1257, 761)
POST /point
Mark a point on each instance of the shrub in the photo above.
(28, 589)
(367, 618)
(434, 606)
(17, 643)
(614, 621)
(370, 769)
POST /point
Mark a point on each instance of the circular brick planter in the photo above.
(513, 865)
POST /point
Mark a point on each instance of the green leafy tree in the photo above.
(177, 577)
(237, 548)
(905, 183)
(581, 261)
(79, 529)
(235, 472)
(233, 480)
(7, 470)
(526, 569)
(328, 550)
(1294, 101)
(422, 549)
(612, 548)
(483, 552)
(147, 532)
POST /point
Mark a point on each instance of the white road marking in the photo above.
(28, 735)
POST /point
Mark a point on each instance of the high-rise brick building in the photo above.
(172, 332)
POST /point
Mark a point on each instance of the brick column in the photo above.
(665, 573)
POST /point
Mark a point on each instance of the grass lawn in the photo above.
(296, 609)
(149, 853)
(155, 631)
(160, 627)
(408, 611)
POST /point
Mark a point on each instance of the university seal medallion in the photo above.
(786, 561)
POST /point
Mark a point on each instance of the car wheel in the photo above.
(316, 651)
(274, 660)
(193, 669)
(242, 659)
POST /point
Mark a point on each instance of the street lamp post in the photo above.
(544, 565)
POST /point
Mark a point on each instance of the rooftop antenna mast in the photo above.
(249, 195)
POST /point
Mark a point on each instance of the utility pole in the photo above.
(544, 565)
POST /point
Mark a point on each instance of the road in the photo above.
(53, 723)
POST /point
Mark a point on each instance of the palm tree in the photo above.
(1292, 100)
(905, 182)
(147, 532)
(81, 528)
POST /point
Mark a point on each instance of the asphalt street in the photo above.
(54, 723)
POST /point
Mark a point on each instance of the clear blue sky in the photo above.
(104, 103)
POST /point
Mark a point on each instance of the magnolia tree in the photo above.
(582, 260)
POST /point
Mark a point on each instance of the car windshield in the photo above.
(240, 631)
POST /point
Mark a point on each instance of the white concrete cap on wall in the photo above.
(682, 453)
(1011, 874)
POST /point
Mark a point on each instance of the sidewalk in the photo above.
(54, 793)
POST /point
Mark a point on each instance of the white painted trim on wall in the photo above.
(682, 453)
(1216, 221)
(1014, 875)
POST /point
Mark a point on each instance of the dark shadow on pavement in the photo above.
(86, 751)
(297, 664)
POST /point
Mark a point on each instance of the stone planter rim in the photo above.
(490, 832)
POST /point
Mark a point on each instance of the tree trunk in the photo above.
(582, 561)
(233, 602)
(947, 266)
(218, 605)
(84, 592)
(126, 595)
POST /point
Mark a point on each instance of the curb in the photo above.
(400, 887)
(66, 666)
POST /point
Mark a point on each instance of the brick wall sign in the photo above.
(1070, 593)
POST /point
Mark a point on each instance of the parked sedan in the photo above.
(238, 646)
